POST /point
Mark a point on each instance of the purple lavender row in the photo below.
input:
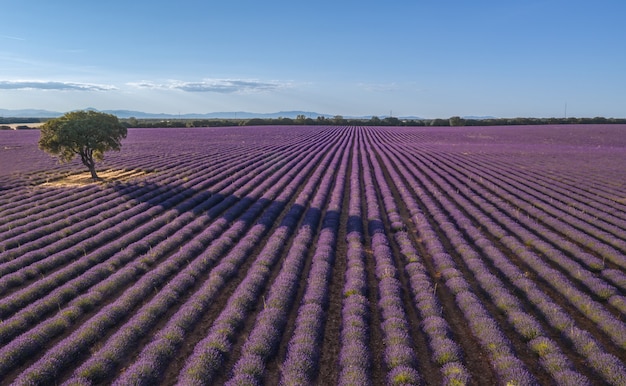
(61, 355)
(617, 278)
(211, 351)
(588, 259)
(527, 326)
(155, 202)
(43, 200)
(589, 279)
(103, 252)
(399, 355)
(446, 353)
(595, 284)
(155, 351)
(181, 162)
(575, 194)
(583, 302)
(580, 207)
(576, 223)
(209, 354)
(43, 305)
(111, 232)
(150, 364)
(554, 361)
(354, 355)
(557, 210)
(38, 336)
(582, 200)
(509, 164)
(301, 363)
(59, 296)
(605, 184)
(264, 338)
(69, 249)
(28, 209)
(25, 163)
(62, 234)
(606, 365)
(18, 193)
(172, 178)
(35, 216)
(53, 211)
(127, 220)
(507, 366)
(152, 198)
(50, 235)
(107, 358)
(13, 204)
(155, 225)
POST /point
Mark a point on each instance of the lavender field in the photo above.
(318, 255)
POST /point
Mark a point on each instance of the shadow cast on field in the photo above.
(200, 202)
(167, 196)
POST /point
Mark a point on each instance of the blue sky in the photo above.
(428, 58)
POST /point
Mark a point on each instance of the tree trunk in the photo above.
(86, 155)
(94, 176)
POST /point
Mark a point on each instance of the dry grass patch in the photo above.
(106, 176)
(32, 125)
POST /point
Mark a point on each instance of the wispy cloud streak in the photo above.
(225, 86)
(11, 37)
(380, 87)
(52, 85)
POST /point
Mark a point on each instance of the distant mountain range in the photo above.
(37, 113)
(29, 113)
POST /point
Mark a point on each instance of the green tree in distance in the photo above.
(457, 121)
(85, 133)
(338, 120)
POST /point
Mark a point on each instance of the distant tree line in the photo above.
(373, 121)
(4, 120)
(149, 123)
(458, 121)
(335, 120)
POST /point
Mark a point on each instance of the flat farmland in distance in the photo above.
(302, 255)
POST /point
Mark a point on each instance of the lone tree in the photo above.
(86, 133)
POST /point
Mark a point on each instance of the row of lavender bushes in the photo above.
(210, 353)
(172, 237)
(605, 364)
(225, 242)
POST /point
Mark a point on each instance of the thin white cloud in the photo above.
(52, 85)
(225, 86)
(11, 37)
(73, 51)
(380, 87)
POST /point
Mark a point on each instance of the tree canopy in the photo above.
(85, 133)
